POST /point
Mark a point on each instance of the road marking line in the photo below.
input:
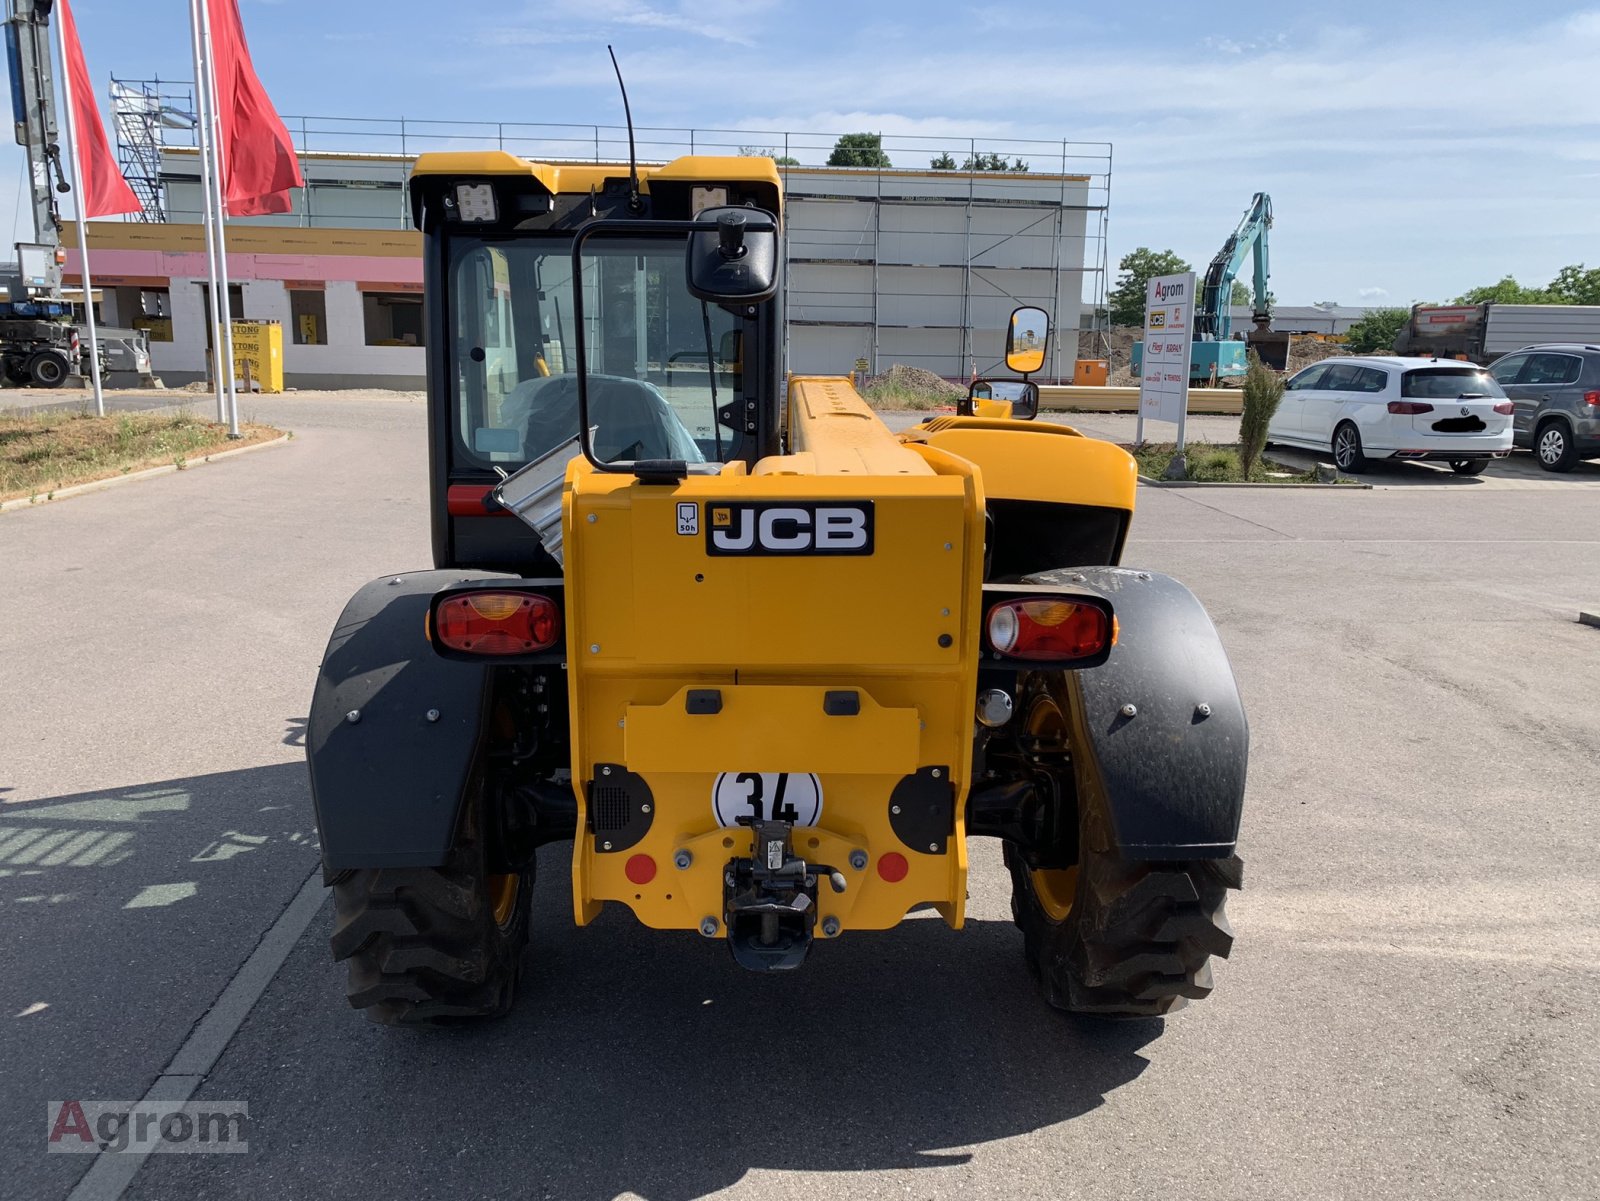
(110, 1174)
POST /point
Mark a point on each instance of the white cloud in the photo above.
(1374, 293)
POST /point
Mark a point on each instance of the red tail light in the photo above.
(1409, 408)
(497, 623)
(1505, 408)
(1592, 399)
(1049, 629)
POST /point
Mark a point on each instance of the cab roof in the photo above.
(577, 178)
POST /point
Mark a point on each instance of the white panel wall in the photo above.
(827, 350)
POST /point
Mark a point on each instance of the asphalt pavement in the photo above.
(1405, 1013)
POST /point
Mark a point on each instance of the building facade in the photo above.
(920, 267)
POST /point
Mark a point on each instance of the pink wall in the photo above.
(144, 263)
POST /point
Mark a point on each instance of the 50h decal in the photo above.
(789, 528)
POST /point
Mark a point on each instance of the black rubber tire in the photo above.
(1140, 935)
(423, 945)
(1349, 456)
(48, 369)
(16, 372)
(1468, 466)
(1552, 446)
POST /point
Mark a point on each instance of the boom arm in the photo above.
(1212, 321)
(34, 109)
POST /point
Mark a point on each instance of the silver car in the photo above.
(1556, 390)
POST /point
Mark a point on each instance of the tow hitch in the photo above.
(770, 900)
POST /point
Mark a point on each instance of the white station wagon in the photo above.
(1385, 407)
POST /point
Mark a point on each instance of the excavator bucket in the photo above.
(1271, 345)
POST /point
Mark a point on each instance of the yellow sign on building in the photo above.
(258, 355)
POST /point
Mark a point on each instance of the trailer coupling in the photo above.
(770, 900)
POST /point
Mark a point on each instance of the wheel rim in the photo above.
(1551, 445)
(503, 897)
(1344, 448)
(1055, 888)
(49, 371)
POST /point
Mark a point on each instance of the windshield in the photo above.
(651, 347)
(1450, 383)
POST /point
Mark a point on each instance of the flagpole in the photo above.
(83, 225)
(203, 143)
(219, 205)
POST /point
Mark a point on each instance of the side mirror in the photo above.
(1026, 340)
(736, 260)
(1026, 406)
(1015, 399)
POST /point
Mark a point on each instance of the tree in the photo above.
(859, 150)
(1244, 296)
(1138, 268)
(943, 163)
(1376, 330)
(1263, 389)
(1574, 285)
(1508, 291)
(783, 160)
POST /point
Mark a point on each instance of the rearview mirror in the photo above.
(1021, 395)
(1026, 340)
(736, 262)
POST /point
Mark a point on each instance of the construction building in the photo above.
(886, 265)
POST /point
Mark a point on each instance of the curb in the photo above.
(33, 502)
(1588, 619)
(1343, 486)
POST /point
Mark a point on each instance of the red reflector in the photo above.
(640, 869)
(1409, 408)
(893, 867)
(497, 623)
(1505, 408)
(1592, 398)
(472, 500)
(1049, 629)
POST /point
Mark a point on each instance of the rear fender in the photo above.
(1159, 736)
(394, 730)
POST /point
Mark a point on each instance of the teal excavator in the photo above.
(1216, 355)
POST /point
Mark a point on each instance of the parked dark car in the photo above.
(1556, 390)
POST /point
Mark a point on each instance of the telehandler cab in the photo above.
(765, 664)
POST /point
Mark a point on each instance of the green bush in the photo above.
(1263, 389)
(1213, 464)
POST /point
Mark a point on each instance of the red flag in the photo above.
(101, 189)
(258, 161)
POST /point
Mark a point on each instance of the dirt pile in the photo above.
(901, 378)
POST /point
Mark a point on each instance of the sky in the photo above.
(1412, 149)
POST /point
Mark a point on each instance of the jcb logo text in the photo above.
(800, 528)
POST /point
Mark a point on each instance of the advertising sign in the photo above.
(1168, 329)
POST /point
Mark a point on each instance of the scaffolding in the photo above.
(144, 111)
(913, 254)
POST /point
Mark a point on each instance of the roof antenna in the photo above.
(634, 204)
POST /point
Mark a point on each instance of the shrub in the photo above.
(1263, 389)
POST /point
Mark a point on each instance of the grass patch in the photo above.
(887, 394)
(41, 453)
(1214, 463)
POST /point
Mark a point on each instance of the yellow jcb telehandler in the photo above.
(765, 664)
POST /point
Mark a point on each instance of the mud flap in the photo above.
(1159, 736)
(394, 730)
